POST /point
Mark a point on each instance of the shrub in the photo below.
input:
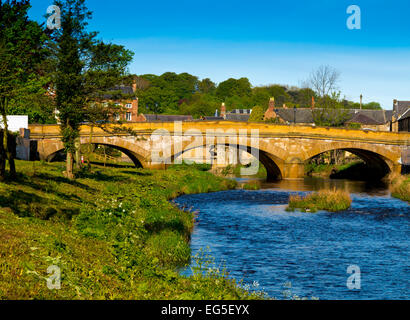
(329, 200)
(257, 114)
(400, 187)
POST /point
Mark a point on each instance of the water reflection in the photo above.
(372, 188)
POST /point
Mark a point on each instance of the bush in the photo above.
(329, 200)
(257, 114)
(400, 187)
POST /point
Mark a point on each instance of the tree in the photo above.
(86, 69)
(21, 51)
(324, 80)
(206, 86)
(200, 105)
(257, 115)
(234, 87)
(330, 112)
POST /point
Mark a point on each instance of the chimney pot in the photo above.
(223, 111)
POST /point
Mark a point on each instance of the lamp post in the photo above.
(294, 114)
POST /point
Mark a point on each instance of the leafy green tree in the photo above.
(86, 69)
(372, 106)
(234, 87)
(206, 86)
(330, 111)
(201, 105)
(21, 52)
(257, 115)
(302, 98)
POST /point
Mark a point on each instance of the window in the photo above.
(116, 117)
(128, 116)
(128, 105)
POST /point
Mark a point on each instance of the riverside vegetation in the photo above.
(113, 232)
(400, 187)
(329, 200)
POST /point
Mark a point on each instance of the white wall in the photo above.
(15, 123)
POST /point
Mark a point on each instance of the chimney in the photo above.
(223, 111)
(134, 85)
(395, 105)
(134, 109)
(271, 104)
(313, 102)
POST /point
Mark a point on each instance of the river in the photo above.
(307, 254)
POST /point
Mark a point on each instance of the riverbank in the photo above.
(400, 187)
(113, 233)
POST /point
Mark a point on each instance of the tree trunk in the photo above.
(70, 166)
(78, 154)
(7, 151)
(2, 164)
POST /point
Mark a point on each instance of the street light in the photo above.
(294, 114)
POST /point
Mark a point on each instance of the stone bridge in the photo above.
(282, 149)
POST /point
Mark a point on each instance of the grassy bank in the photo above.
(326, 170)
(113, 233)
(400, 187)
(329, 200)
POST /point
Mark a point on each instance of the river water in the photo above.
(307, 254)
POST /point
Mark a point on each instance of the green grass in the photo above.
(326, 169)
(251, 185)
(400, 187)
(329, 200)
(113, 232)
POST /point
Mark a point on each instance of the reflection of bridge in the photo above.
(283, 150)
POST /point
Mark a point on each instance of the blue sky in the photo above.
(267, 41)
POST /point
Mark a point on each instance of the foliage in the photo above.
(400, 187)
(85, 71)
(257, 115)
(234, 87)
(330, 112)
(113, 233)
(329, 200)
(354, 125)
(200, 105)
(21, 52)
(251, 185)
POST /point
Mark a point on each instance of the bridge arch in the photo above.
(270, 156)
(137, 154)
(379, 160)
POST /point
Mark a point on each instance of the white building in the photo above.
(15, 123)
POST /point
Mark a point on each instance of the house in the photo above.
(404, 122)
(368, 119)
(128, 108)
(400, 116)
(366, 122)
(241, 111)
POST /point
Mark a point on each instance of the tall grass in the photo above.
(329, 200)
(113, 232)
(400, 186)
